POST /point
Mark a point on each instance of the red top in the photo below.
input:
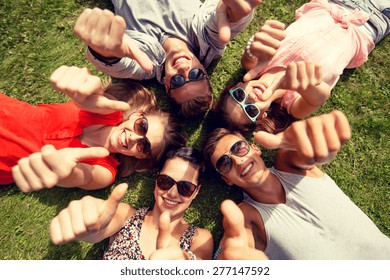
(25, 129)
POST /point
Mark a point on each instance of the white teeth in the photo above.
(246, 169)
(170, 202)
(123, 139)
(180, 60)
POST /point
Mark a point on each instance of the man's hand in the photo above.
(235, 244)
(229, 11)
(104, 32)
(317, 140)
(85, 89)
(85, 216)
(46, 168)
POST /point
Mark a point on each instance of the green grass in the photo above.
(37, 37)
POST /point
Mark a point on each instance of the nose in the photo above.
(184, 68)
(236, 160)
(173, 192)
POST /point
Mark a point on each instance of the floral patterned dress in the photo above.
(126, 243)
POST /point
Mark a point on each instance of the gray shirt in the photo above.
(149, 23)
(318, 221)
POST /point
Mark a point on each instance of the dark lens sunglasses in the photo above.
(184, 188)
(251, 110)
(224, 163)
(194, 75)
(141, 128)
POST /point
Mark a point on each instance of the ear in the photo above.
(227, 181)
(263, 115)
(166, 84)
(256, 149)
(196, 192)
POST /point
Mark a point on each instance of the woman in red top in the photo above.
(82, 143)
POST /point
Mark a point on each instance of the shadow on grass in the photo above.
(102, 4)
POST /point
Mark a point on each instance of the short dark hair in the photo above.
(190, 155)
(211, 142)
(198, 105)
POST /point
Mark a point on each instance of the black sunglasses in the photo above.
(184, 188)
(224, 163)
(140, 128)
(194, 75)
(251, 110)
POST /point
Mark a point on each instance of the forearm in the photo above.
(309, 101)
(125, 68)
(317, 95)
(89, 177)
(248, 62)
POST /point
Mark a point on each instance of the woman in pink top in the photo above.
(291, 72)
(84, 142)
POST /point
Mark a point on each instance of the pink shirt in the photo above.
(328, 35)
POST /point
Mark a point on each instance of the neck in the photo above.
(268, 191)
(96, 136)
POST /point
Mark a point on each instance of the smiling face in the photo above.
(170, 200)
(247, 171)
(127, 138)
(180, 60)
(253, 90)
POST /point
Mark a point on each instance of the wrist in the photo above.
(109, 60)
(248, 46)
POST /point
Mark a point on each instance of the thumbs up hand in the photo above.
(47, 168)
(167, 247)
(85, 217)
(235, 244)
(85, 89)
(316, 140)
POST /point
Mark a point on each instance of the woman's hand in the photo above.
(85, 217)
(47, 168)
(85, 89)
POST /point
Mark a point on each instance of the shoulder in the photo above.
(252, 217)
(246, 208)
(254, 225)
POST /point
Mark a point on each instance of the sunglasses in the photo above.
(251, 110)
(194, 75)
(184, 188)
(141, 128)
(224, 163)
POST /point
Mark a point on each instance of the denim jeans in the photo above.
(379, 13)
